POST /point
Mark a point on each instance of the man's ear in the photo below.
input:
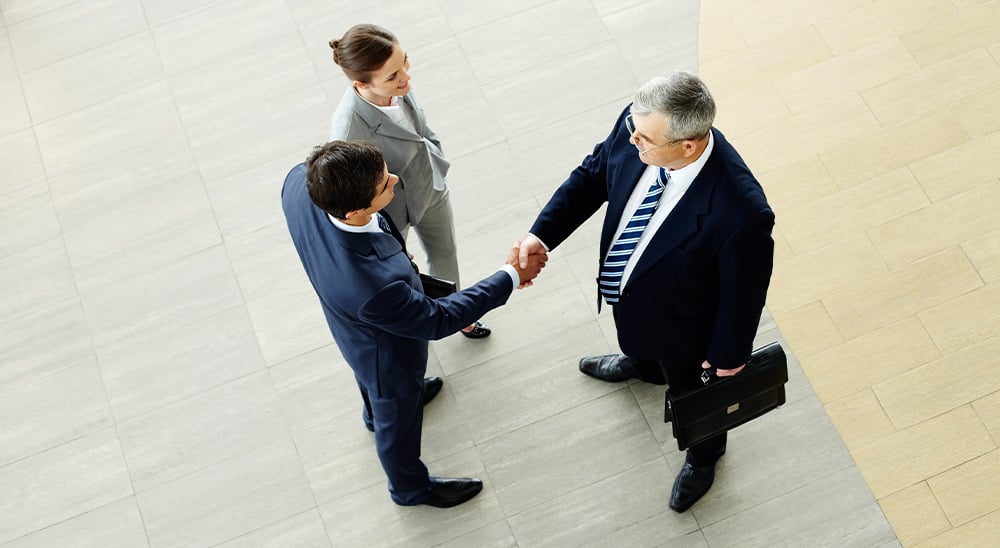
(354, 213)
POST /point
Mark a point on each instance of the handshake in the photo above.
(528, 257)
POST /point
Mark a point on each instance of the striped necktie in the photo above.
(382, 223)
(609, 282)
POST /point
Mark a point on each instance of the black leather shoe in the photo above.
(432, 385)
(448, 492)
(691, 484)
(480, 331)
(607, 368)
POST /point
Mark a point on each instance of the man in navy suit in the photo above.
(374, 304)
(686, 250)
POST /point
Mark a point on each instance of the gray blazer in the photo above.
(415, 157)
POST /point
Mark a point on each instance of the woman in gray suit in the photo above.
(379, 108)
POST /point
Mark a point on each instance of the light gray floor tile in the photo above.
(117, 525)
(837, 510)
(561, 28)
(21, 162)
(126, 122)
(160, 368)
(184, 291)
(61, 483)
(447, 429)
(121, 221)
(265, 262)
(588, 77)
(27, 219)
(202, 431)
(228, 500)
(440, 70)
(13, 108)
(524, 386)
(316, 387)
(199, 38)
(77, 27)
(57, 408)
(303, 530)
(288, 324)
(339, 458)
(43, 343)
(690, 540)
(250, 199)
(92, 76)
(629, 509)
(232, 142)
(42, 277)
(159, 12)
(497, 535)
(484, 177)
(8, 69)
(555, 456)
(383, 523)
(464, 16)
(465, 130)
(14, 12)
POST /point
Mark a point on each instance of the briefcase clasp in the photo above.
(733, 408)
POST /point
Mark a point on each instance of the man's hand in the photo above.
(528, 266)
(723, 372)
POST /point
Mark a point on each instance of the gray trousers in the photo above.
(436, 233)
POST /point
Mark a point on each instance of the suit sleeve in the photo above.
(580, 196)
(402, 310)
(745, 265)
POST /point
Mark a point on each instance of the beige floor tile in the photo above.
(969, 490)
(902, 459)
(53, 410)
(796, 184)
(809, 329)
(915, 514)
(303, 530)
(968, 29)
(851, 212)
(20, 160)
(751, 108)
(984, 253)
(988, 409)
(978, 112)
(256, 488)
(72, 29)
(92, 77)
(852, 72)
(766, 60)
(959, 169)
(117, 525)
(877, 21)
(823, 272)
(915, 94)
(758, 21)
(219, 32)
(869, 359)
(14, 110)
(887, 297)
(65, 481)
(718, 37)
(875, 153)
(979, 533)
(941, 385)
(943, 225)
(965, 321)
(124, 123)
(859, 419)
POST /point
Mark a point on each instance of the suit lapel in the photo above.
(382, 124)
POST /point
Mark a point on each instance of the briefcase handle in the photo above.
(760, 354)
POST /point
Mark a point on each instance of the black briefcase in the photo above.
(724, 403)
(435, 287)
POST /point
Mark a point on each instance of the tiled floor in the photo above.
(166, 378)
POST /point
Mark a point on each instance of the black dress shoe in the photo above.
(448, 492)
(691, 484)
(607, 368)
(480, 331)
(432, 385)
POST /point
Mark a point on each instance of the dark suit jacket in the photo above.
(372, 297)
(698, 289)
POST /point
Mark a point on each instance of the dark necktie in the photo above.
(610, 279)
(383, 224)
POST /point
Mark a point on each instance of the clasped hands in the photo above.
(528, 257)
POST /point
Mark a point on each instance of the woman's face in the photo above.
(393, 78)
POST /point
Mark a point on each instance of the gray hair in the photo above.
(683, 98)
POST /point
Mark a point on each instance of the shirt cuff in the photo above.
(514, 277)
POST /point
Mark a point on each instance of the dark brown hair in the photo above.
(342, 176)
(362, 50)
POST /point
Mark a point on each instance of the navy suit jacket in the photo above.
(372, 297)
(698, 289)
